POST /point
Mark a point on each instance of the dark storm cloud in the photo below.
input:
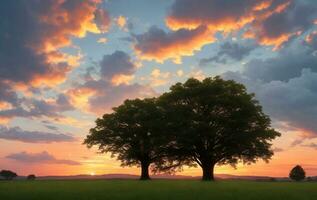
(40, 158)
(230, 50)
(17, 134)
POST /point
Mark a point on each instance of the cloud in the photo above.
(102, 40)
(34, 57)
(158, 45)
(112, 87)
(285, 22)
(158, 78)
(292, 101)
(179, 73)
(121, 22)
(99, 96)
(231, 50)
(18, 134)
(116, 64)
(217, 15)
(311, 145)
(195, 24)
(102, 20)
(40, 158)
(32, 36)
(34, 108)
(277, 150)
(285, 85)
(269, 22)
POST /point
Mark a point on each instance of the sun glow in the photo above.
(92, 173)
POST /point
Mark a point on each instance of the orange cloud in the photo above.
(51, 26)
(5, 105)
(122, 79)
(79, 97)
(225, 25)
(4, 120)
(65, 23)
(226, 18)
(159, 46)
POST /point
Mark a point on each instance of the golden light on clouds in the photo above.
(155, 49)
(122, 79)
(121, 21)
(102, 40)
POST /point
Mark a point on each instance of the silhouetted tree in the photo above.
(31, 177)
(7, 174)
(132, 133)
(215, 122)
(297, 173)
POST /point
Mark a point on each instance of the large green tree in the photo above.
(132, 133)
(215, 121)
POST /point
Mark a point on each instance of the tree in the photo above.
(297, 173)
(132, 133)
(7, 174)
(215, 121)
(31, 177)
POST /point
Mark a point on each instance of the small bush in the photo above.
(31, 177)
(297, 173)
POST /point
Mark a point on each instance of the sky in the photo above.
(64, 63)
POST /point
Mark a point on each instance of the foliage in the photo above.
(7, 174)
(132, 133)
(297, 173)
(215, 122)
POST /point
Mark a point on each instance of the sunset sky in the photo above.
(63, 63)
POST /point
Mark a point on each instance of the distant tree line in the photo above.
(197, 123)
(10, 175)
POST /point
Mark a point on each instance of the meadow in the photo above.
(156, 189)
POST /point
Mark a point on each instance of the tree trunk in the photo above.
(145, 171)
(208, 172)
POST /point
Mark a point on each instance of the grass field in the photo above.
(157, 189)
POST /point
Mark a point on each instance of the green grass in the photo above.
(157, 189)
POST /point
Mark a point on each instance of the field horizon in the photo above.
(126, 176)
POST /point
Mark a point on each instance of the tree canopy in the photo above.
(206, 123)
(215, 121)
(132, 133)
(7, 174)
(297, 173)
